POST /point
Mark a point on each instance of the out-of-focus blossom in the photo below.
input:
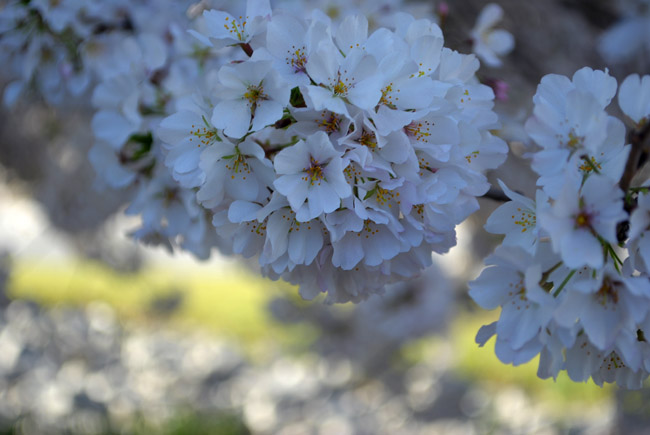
(489, 43)
(634, 98)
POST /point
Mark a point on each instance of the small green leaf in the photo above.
(296, 99)
(370, 193)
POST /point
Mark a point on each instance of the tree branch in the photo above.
(640, 141)
(496, 195)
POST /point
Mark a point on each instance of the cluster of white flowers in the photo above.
(64, 47)
(128, 60)
(341, 149)
(570, 277)
(340, 156)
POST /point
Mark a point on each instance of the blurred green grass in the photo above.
(476, 362)
(480, 365)
(232, 301)
(190, 423)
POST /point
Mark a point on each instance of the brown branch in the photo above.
(496, 195)
(640, 141)
(269, 150)
(247, 48)
(282, 123)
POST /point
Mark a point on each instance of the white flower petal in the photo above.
(233, 116)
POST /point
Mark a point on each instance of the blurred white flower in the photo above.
(489, 43)
(629, 36)
(634, 98)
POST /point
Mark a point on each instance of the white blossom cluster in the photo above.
(63, 48)
(341, 149)
(570, 277)
(128, 60)
(340, 156)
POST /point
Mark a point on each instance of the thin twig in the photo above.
(566, 280)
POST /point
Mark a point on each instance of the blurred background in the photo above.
(100, 335)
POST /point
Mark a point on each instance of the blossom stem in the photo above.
(615, 257)
(564, 283)
(610, 250)
(548, 273)
(247, 48)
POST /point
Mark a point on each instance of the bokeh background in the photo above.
(99, 335)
